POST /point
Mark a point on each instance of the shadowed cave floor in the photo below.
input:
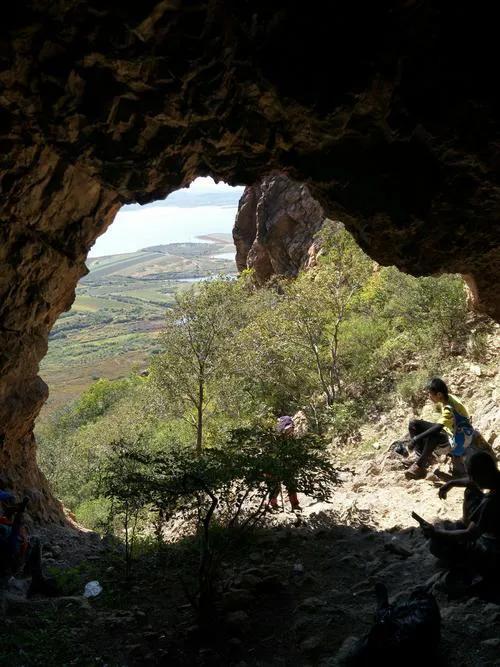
(292, 594)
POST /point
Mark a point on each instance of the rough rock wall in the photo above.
(275, 226)
(52, 215)
(379, 109)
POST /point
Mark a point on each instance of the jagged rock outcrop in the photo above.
(275, 227)
(380, 110)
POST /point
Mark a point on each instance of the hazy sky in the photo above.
(203, 208)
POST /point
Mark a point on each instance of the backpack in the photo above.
(463, 433)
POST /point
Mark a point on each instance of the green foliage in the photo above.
(94, 513)
(76, 441)
(425, 313)
(98, 399)
(411, 388)
(336, 342)
(227, 487)
(196, 341)
(69, 581)
(344, 419)
(237, 472)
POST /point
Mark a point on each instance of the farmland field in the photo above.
(113, 325)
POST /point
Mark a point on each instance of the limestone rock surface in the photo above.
(275, 228)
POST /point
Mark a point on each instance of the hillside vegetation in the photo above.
(341, 343)
(175, 468)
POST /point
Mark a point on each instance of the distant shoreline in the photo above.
(215, 237)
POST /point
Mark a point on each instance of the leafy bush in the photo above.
(94, 513)
(411, 388)
(423, 313)
(344, 419)
(227, 486)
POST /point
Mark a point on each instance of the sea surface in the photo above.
(205, 207)
(134, 228)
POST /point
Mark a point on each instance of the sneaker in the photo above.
(296, 508)
(415, 472)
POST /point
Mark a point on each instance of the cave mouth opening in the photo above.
(398, 144)
(135, 267)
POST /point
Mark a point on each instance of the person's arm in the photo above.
(459, 483)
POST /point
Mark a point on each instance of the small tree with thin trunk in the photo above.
(317, 305)
(195, 341)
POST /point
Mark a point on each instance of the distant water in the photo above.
(225, 255)
(204, 207)
(136, 228)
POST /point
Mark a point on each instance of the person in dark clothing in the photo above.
(452, 429)
(286, 427)
(6, 496)
(426, 437)
(13, 537)
(475, 541)
(18, 551)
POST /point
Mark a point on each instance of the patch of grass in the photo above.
(48, 641)
(86, 304)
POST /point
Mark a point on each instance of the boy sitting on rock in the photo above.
(453, 428)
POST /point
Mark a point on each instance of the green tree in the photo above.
(196, 342)
(426, 316)
(321, 301)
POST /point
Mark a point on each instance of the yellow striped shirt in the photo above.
(446, 418)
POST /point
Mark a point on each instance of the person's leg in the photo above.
(424, 447)
(274, 491)
(430, 443)
(34, 559)
(292, 497)
(39, 584)
(15, 533)
(5, 559)
(486, 559)
(416, 427)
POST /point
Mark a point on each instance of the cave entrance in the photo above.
(131, 102)
(135, 268)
